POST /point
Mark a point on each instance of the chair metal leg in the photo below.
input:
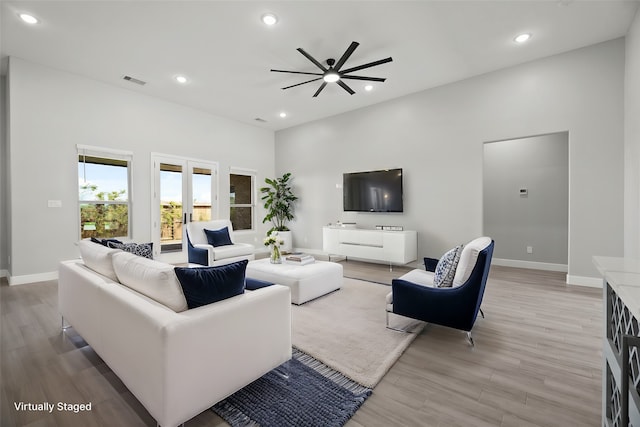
(392, 328)
(482, 313)
(470, 338)
(65, 325)
(406, 331)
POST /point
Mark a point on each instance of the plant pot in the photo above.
(287, 237)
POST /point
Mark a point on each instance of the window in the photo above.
(242, 199)
(104, 192)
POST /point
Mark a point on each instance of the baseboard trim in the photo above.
(33, 278)
(591, 282)
(309, 251)
(530, 264)
(334, 257)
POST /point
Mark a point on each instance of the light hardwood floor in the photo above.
(537, 362)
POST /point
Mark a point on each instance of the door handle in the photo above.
(191, 217)
(185, 218)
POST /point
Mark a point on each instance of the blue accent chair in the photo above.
(456, 307)
(202, 252)
(197, 255)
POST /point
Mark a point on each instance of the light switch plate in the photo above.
(54, 203)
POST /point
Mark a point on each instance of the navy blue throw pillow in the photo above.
(218, 237)
(205, 285)
(105, 242)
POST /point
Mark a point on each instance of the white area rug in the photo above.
(346, 330)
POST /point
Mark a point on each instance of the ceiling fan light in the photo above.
(331, 77)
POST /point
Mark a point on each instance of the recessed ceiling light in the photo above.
(181, 79)
(283, 114)
(29, 19)
(522, 38)
(269, 19)
(368, 88)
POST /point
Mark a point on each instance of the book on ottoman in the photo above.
(299, 258)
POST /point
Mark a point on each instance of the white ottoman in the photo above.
(305, 281)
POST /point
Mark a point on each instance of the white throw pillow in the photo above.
(98, 258)
(446, 268)
(468, 259)
(154, 279)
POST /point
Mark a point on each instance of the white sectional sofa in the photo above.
(177, 362)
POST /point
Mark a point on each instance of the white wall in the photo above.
(3, 178)
(437, 137)
(52, 111)
(538, 219)
(632, 141)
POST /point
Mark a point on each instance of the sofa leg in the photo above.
(283, 370)
(482, 313)
(470, 338)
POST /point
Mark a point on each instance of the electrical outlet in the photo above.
(529, 249)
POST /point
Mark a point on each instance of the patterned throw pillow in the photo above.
(141, 249)
(446, 268)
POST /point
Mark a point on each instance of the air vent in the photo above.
(258, 119)
(134, 80)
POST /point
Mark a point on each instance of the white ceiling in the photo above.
(226, 51)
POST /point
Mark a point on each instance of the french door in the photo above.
(184, 190)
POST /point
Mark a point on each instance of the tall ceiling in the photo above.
(226, 52)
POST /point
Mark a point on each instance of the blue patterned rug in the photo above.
(303, 392)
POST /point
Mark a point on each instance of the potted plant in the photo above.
(278, 200)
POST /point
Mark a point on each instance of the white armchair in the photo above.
(201, 252)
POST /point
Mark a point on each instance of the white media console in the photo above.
(393, 247)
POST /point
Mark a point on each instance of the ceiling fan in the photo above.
(334, 73)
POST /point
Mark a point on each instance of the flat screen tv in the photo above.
(373, 191)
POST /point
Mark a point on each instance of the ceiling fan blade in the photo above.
(371, 79)
(370, 64)
(298, 84)
(320, 89)
(312, 59)
(346, 55)
(295, 72)
(345, 87)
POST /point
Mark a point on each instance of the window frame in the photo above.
(252, 173)
(109, 154)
